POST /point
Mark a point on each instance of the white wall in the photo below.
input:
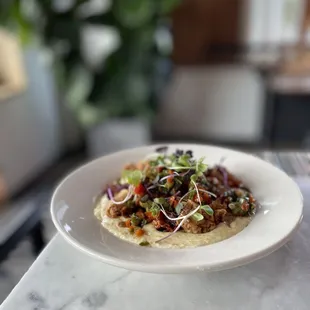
(220, 102)
(30, 129)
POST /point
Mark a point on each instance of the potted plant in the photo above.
(113, 93)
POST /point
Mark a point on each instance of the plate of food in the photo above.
(177, 208)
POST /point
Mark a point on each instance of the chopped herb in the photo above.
(144, 243)
(177, 184)
(146, 205)
(200, 167)
(194, 177)
(207, 209)
(160, 160)
(163, 190)
(192, 194)
(145, 198)
(155, 209)
(177, 181)
(130, 204)
(144, 222)
(160, 200)
(252, 209)
(135, 220)
(179, 208)
(153, 163)
(184, 160)
(241, 200)
(133, 177)
(197, 217)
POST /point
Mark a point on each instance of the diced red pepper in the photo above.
(245, 207)
(139, 232)
(149, 217)
(140, 190)
(140, 214)
(128, 223)
(170, 180)
(251, 199)
(160, 169)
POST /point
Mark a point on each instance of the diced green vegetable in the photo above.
(144, 243)
(153, 163)
(241, 200)
(155, 209)
(130, 203)
(143, 222)
(253, 209)
(146, 205)
(133, 177)
(135, 220)
(237, 210)
(144, 198)
(163, 190)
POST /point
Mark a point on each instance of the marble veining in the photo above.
(65, 279)
(37, 300)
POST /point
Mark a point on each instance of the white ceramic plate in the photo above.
(279, 217)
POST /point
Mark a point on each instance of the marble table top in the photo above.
(64, 279)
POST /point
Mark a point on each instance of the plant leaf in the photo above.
(134, 13)
(166, 6)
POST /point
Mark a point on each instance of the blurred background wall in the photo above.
(35, 128)
(30, 125)
(235, 63)
(223, 103)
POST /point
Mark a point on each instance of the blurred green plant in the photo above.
(122, 83)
